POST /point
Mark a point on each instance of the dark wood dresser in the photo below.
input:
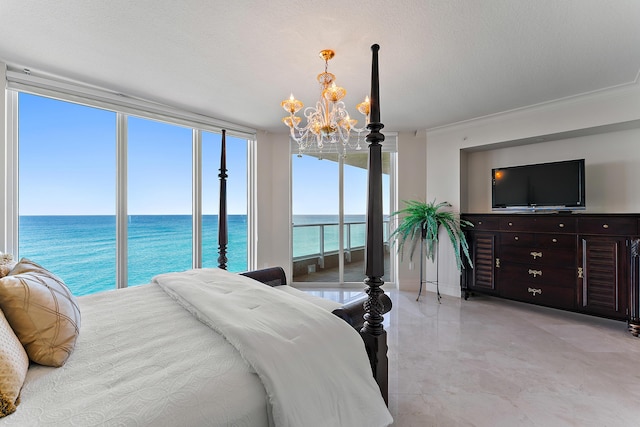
(587, 263)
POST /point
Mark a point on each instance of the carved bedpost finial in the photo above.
(222, 213)
(373, 333)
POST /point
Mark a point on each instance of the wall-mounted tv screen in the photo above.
(548, 186)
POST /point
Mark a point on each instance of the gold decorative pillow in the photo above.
(14, 363)
(41, 311)
(6, 264)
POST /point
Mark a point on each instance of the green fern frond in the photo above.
(420, 223)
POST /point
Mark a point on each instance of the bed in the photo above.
(200, 347)
(208, 359)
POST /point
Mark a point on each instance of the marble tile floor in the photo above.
(493, 362)
(489, 362)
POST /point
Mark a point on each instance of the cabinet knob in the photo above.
(534, 291)
(479, 222)
(561, 225)
(605, 225)
(554, 240)
(535, 273)
(510, 224)
(516, 238)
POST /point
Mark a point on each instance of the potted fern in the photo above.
(420, 223)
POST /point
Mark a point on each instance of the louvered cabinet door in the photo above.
(602, 276)
(634, 289)
(484, 261)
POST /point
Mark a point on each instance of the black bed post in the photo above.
(373, 333)
(222, 211)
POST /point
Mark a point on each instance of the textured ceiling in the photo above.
(441, 61)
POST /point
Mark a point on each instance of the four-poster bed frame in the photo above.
(367, 317)
(149, 353)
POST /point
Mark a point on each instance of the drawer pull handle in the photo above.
(535, 291)
(497, 262)
(535, 273)
(536, 255)
(605, 225)
(561, 225)
(554, 240)
(580, 273)
(516, 238)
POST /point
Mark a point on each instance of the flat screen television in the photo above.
(542, 186)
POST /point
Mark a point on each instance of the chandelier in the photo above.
(328, 123)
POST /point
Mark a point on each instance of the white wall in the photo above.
(446, 153)
(272, 193)
(612, 169)
(411, 185)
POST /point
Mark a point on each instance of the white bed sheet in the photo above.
(141, 359)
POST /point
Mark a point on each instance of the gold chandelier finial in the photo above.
(327, 54)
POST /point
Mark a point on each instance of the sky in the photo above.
(316, 187)
(67, 166)
(67, 163)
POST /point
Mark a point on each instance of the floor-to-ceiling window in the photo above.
(67, 167)
(66, 178)
(330, 190)
(159, 164)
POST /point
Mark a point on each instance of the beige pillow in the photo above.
(14, 363)
(41, 311)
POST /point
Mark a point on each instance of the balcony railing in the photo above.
(314, 244)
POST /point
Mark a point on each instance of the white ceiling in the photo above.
(441, 61)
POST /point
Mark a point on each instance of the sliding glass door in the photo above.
(329, 194)
(316, 217)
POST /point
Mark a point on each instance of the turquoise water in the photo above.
(81, 250)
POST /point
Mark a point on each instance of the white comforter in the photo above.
(142, 360)
(312, 364)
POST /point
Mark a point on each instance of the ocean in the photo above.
(81, 250)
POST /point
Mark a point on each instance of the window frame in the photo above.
(124, 107)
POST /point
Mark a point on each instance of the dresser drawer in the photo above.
(545, 294)
(539, 224)
(517, 239)
(557, 241)
(483, 222)
(539, 257)
(512, 273)
(539, 240)
(608, 225)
